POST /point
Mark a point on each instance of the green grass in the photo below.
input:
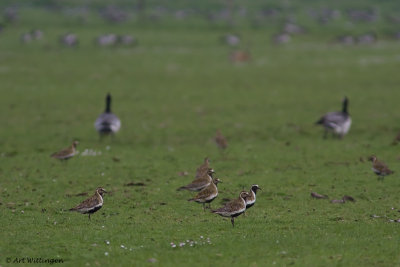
(172, 92)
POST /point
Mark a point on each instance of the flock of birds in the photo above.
(338, 123)
(206, 185)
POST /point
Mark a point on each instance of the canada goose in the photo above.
(107, 122)
(338, 122)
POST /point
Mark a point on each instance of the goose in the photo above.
(338, 122)
(107, 122)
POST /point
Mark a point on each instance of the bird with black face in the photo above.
(251, 199)
(92, 204)
(379, 167)
(233, 208)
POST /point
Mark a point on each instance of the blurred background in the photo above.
(184, 67)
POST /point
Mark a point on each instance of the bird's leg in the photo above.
(233, 221)
(204, 206)
(209, 205)
(89, 216)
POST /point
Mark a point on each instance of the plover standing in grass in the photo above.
(208, 194)
(92, 204)
(107, 122)
(220, 140)
(66, 153)
(251, 199)
(338, 122)
(199, 183)
(379, 167)
(234, 207)
(203, 168)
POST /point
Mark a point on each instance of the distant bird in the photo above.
(203, 168)
(208, 194)
(220, 140)
(107, 122)
(106, 39)
(396, 139)
(199, 183)
(239, 56)
(379, 167)
(318, 196)
(69, 39)
(92, 204)
(66, 153)
(337, 122)
(127, 40)
(231, 39)
(251, 199)
(281, 38)
(234, 207)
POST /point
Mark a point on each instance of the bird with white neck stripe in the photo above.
(92, 204)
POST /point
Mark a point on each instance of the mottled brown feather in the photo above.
(203, 168)
(66, 153)
(198, 183)
(220, 140)
(211, 189)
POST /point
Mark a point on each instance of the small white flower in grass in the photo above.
(108, 147)
(182, 244)
(102, 226)
(201, 237)
(102, 174)
(107, 242)
(122, 246)
(22, 211)
(173, 245)
(55, 223)
(106, 253)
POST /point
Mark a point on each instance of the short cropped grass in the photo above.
(172, 93)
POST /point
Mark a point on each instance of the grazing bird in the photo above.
(208, 194)
(203, 168)
(66, 153)
(234, 207)
(127, 40)
(337, 122)
(199, 183)
(220, 140)
(69, 39)
(379, 167)
(318, 196)
(251, 199)
(106, 40)
(107, 122)
(92, 204)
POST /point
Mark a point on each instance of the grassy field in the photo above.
(172, 92)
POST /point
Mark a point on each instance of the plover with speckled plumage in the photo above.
(92, 204)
